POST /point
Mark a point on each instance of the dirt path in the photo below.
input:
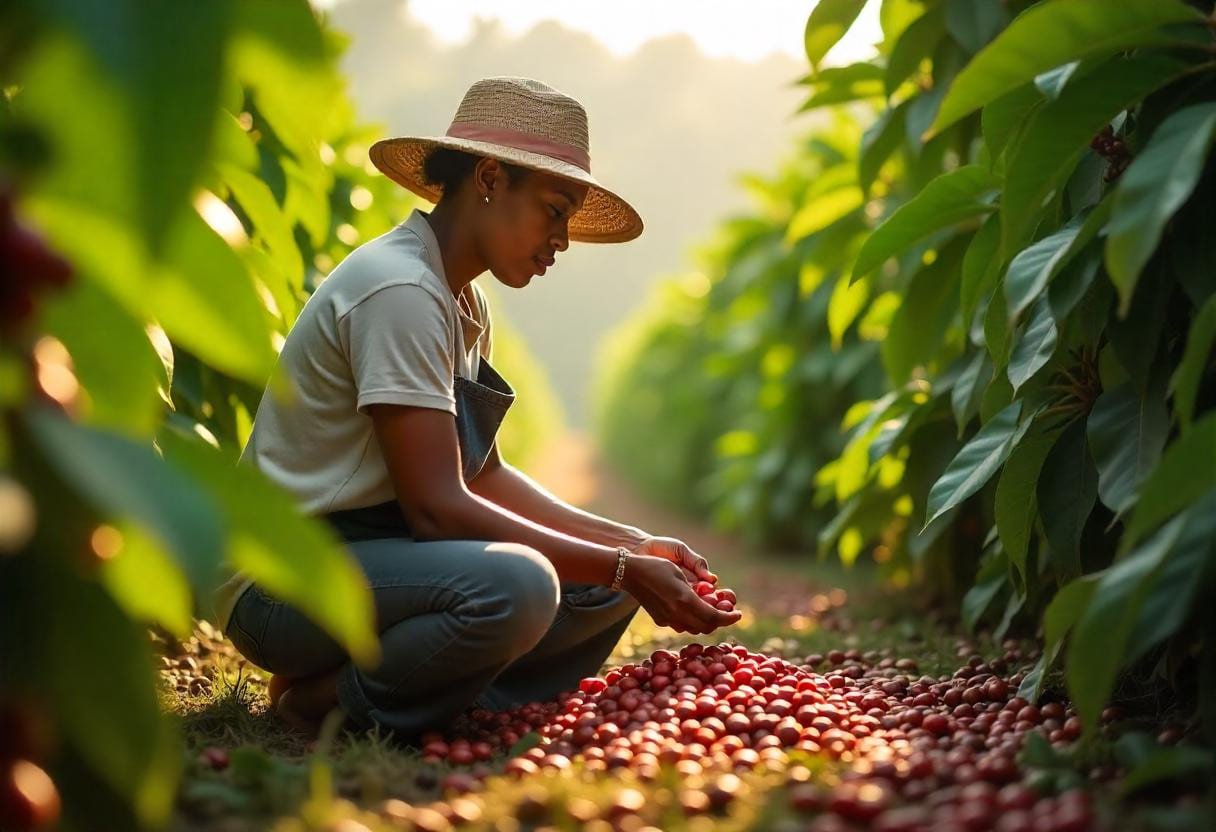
(777, 583)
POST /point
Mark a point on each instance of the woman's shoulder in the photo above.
(385, 262)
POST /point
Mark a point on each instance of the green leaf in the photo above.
(1072, 285)
(916, 44)
(1167, 764)
(1157, 183)
(147, 583)
(204, 298)
(823, 210)
(828, 22)
(1060, 617)
(286, 553)
(948, 199)
(976, 463)
(1186, 471)
(1035, 347)
(993, 576)
(894, 18)
(1015, 504)
(921, 322)
(847, 302)
(973, 23)
(270, 224)
(981, 267)
(1052, 82)
(1055, 33)
(996, 331)
(967, 391)
(111, 357)
(1006, 116)
(1100, 637)
(1060, 131)
(1185, 382)
(172, 87)
(278, 51)
(839, 85)
(125, 480)
(1170, 592)
(883, 138)
(1066, 492)
(1127, 433)
(1033, 267)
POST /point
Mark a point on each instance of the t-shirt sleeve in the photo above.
(400, 348)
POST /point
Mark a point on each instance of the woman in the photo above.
(488, 590)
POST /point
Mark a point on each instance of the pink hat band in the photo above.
(520, 140)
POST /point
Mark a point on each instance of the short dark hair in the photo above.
(448, 168)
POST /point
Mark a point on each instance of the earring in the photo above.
(487, 199)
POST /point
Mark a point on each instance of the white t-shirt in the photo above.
(383, 328)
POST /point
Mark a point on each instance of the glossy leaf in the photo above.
(1127, 433)
(826, 25)
(1101, 636)
(976, 463)
(967, 391)
(126, 480)
(973, 23)
(883, 138)
(286, 553)
(1052, 82)
(980, 267)
(1061, 130)
(993, 576)
(171, 86)
(921, 322)
(915, 45)
(147, 583)
(823, 210)
(1015, 506)
(1060, 617)
(1006, 116)
(111, 357)
(1034, 346)
(948, 199)
(1066, 492)
(1186, 471)
(1170, 591)
(1152, 189)
(840, 85)
(1051, 34)
(1199, 342)
(1033, 267)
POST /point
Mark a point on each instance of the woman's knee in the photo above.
(529, 585)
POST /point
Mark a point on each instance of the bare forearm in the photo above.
(477, 518)
(520, 494)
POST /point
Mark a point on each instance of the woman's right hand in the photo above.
(662, 590)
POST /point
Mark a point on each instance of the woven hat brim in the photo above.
(604, 218)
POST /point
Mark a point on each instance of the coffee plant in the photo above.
(176, 178)
(1018, 243)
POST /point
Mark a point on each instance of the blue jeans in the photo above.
(462, 623)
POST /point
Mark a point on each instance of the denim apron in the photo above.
(480, 408)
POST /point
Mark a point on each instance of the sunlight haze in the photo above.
(716, 26)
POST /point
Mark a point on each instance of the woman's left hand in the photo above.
(695, 567)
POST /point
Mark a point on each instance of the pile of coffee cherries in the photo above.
(912, 752)
(723, 599)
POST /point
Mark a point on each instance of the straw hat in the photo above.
(523, 122)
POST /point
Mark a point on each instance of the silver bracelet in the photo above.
(622, 555)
